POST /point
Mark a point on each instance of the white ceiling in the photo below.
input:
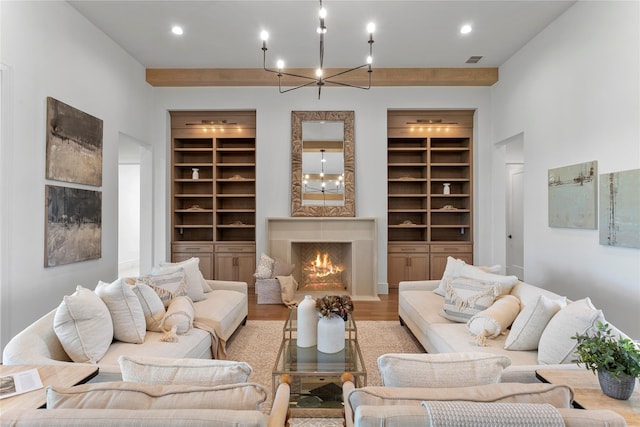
(226, 34)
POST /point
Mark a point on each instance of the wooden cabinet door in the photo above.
(407, 267)
(183, 251)
(438, 262)
(235, 267)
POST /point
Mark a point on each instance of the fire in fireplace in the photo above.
(323, 265)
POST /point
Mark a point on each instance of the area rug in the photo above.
(257, 343)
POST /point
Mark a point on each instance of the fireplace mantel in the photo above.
(361, 232)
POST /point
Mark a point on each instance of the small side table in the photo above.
(55, 375)
(588, 395)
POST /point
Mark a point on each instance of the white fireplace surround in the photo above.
(361, 232)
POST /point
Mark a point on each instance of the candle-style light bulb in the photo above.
(280, 64)
(264, 36)
(319, 72)
(371, 28)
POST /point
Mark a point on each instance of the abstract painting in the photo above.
(74, 145)
(573, 196)
(74, 225)
(620, 209)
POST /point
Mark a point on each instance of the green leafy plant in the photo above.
(602, 351)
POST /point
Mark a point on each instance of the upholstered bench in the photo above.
(268, 291)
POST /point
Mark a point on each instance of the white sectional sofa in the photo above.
(223, 309)
(421, 310)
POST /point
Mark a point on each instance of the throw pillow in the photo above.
(456, 268)
(192, 276)
(83, 325)
(465, 297)
(179, 316)
(126, 312)
(130, 395)
(151, 304)
(167, 286)
(264, 270)
(556, 345)
(441, 370)
(282, 268)
(195, 372)
(453, 414)
(528, 326)
(494, 320)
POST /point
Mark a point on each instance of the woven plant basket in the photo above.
(620, 389)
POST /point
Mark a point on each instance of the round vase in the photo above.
(195, 173)
(307, 322)
(331, 334)
(620, 389)
(447, 188)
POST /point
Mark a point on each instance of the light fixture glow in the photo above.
(177, 30)
(264, 35)
(319, 80)
(465, 29)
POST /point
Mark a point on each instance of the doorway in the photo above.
(134, 202)
(514, 197)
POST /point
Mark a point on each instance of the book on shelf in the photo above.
(20, 382)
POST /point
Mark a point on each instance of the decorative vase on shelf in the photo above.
(447, 188)
(195, 174)
(307, 322)
(618, 388)
(331, 334)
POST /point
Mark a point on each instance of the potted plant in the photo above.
(334, 311)
(614, 358)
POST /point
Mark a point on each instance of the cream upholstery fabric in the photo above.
(556, 345)
(559, 396)
(456, 268)
(83, 325)
(465, 297)
(440, 370)
(533, 319)
(264, 269)
(151, 304)
(196, 372)
(192, 274)
(456, 414)
(129, 324)
(166, 285)
(129, 395)
(496, 319)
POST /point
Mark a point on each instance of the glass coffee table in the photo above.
(315, 384)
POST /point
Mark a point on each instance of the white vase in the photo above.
(195, 174)
(330, 334)
(447, 188)
(307, 322)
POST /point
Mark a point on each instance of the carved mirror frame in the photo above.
(297, 208)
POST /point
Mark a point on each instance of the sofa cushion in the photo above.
(556, 345)
(494, 320)
(456, 413)
(558, 395)
(281, 268)
(440, 370)
(166, 285)
(192, 274)
(264, 269)
(130, 395)
(220, 310)
(466, 297)
(533, 319)
(179, 315)
(151, 304)
(83, 325)
(456, 268)
(126, 312)
(197, 372)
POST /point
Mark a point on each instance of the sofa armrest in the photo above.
(279, 416)
(347, 386)
(591, 418)
(418, 285)
(228, 285)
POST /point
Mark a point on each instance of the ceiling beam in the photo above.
(189, 77)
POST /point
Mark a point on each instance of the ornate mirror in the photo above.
(322, 163)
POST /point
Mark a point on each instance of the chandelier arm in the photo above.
(294, 88)
(345, 71)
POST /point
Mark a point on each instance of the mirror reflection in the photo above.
(323, 163)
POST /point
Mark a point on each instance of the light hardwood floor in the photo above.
(385, 309)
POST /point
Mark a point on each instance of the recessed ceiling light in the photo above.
(177, 30)
(465, 29)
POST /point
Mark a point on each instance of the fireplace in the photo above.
(349, 242)
(322, 266)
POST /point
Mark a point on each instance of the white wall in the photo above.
(48, 49)
(273, 126)
(574, 91)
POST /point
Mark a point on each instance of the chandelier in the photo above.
(321, 183)
(319, 79)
